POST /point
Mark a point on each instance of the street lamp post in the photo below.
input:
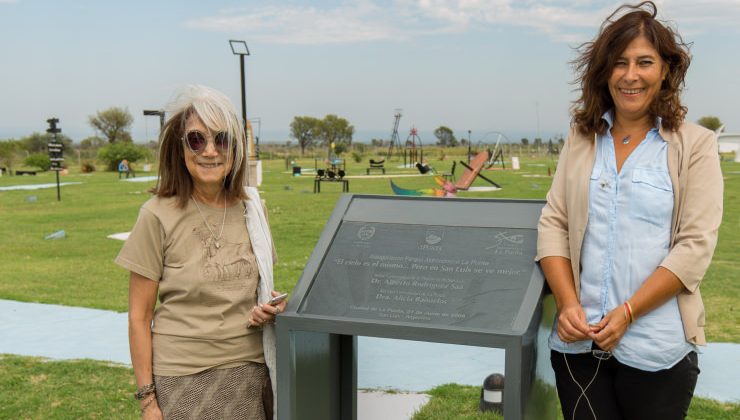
(240, 48)
(156, 113)
(159, 113)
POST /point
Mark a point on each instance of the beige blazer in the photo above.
(693, 162)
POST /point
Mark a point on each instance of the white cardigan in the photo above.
(262, 246)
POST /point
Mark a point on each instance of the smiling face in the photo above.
(209, 168)
(636, 79)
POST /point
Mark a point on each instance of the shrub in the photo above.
(113, 153)
(38, 160)
(87, 167)
(356, 157)
(340, 148)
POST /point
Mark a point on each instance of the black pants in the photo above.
(621, 392)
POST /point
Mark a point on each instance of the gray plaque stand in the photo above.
(457, 271)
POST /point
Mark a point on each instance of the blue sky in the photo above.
(497, 65)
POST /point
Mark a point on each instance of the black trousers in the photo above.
(621, 392)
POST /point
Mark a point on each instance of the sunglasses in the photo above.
(198, 141)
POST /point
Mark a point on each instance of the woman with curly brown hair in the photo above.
(629, 228)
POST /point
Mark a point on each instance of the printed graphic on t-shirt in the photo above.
(226, 267)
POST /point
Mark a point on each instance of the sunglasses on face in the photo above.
(198, 141)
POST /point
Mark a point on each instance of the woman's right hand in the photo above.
(572, 324)
(152, 412)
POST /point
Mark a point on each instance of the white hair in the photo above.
(215, 111)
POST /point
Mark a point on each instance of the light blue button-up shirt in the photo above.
(627, 236)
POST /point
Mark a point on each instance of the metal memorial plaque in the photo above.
(474, 277)
(457, 271)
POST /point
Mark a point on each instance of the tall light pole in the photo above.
(158, 113)
(240, 48)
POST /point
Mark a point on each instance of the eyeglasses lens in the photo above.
(221, 140)
(196, 141)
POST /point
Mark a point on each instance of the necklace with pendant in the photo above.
(626, 139)
(216, 240)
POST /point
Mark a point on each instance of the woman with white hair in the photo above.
(202, 247)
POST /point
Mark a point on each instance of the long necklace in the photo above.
(216, 240)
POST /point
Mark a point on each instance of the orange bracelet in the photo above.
(628, 311)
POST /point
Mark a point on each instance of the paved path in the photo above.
(36, 186)
(63, 332)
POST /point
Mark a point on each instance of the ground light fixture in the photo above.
(492, 394)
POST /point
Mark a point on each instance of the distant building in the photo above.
(729, 143)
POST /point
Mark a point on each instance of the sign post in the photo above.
(56, 150)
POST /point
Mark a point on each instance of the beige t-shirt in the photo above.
(205, 292)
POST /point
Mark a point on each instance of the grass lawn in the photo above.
(34, 388)
(457, 402)
(79, 270)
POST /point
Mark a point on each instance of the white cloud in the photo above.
(701, 16)
(377, 20)
(361, 21)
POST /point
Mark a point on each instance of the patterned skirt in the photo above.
(232, 393)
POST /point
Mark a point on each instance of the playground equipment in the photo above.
(330, 175)
(448, 188)
(414, 150)
(376, 165)
(395, 142)
(497, 153)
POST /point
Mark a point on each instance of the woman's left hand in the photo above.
(265, 314)
(607, 333)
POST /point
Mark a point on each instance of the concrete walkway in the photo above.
(36, 186)
(63, 332)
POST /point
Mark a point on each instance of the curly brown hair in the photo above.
(596, 59)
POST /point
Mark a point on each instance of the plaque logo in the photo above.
(366, 233)
(434, 236)
(507, 244)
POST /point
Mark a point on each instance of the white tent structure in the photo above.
(728, 142)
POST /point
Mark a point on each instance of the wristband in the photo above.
(145, 390)
(628, 311)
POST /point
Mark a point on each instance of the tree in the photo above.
(445, 137)
(525, 142)
(336, 130)
(710, 122)
(113, 123)
(36, 142)
(8, 148)
(38, 160)
(113, 153)
(305, 130)
(93, 142)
